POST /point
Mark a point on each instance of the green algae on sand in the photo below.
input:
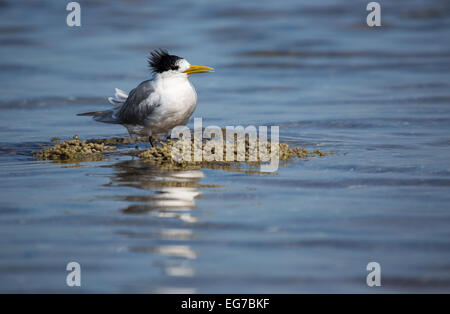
(163, 155)
(75, 150)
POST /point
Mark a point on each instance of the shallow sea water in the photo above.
(377, 97)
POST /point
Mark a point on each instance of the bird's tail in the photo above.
(107, 116)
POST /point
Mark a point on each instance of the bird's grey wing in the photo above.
(138, 105)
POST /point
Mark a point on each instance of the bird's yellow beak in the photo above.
(198, 69)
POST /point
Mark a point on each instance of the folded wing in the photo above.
(138, 105)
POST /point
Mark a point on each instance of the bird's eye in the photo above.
(175, 67)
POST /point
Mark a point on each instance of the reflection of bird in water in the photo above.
(165, 194)
(156, 106)
(174, 192)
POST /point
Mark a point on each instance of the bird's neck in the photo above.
(172, 80)
(171, 75)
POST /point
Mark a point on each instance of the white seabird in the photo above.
(158, 105)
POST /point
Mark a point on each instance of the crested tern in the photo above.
(157, 105)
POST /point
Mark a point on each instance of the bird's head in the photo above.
(161, 61)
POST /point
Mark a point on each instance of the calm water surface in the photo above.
(378, 98)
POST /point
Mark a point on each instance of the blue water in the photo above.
(377, 97)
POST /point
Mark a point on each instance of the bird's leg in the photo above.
(133, 137)
(150, 139)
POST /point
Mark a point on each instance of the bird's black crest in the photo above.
(160, 61)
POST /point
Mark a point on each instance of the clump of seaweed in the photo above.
(171, 155)
(165, 155)
(74, 150)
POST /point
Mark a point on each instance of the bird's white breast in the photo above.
(176, 99)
